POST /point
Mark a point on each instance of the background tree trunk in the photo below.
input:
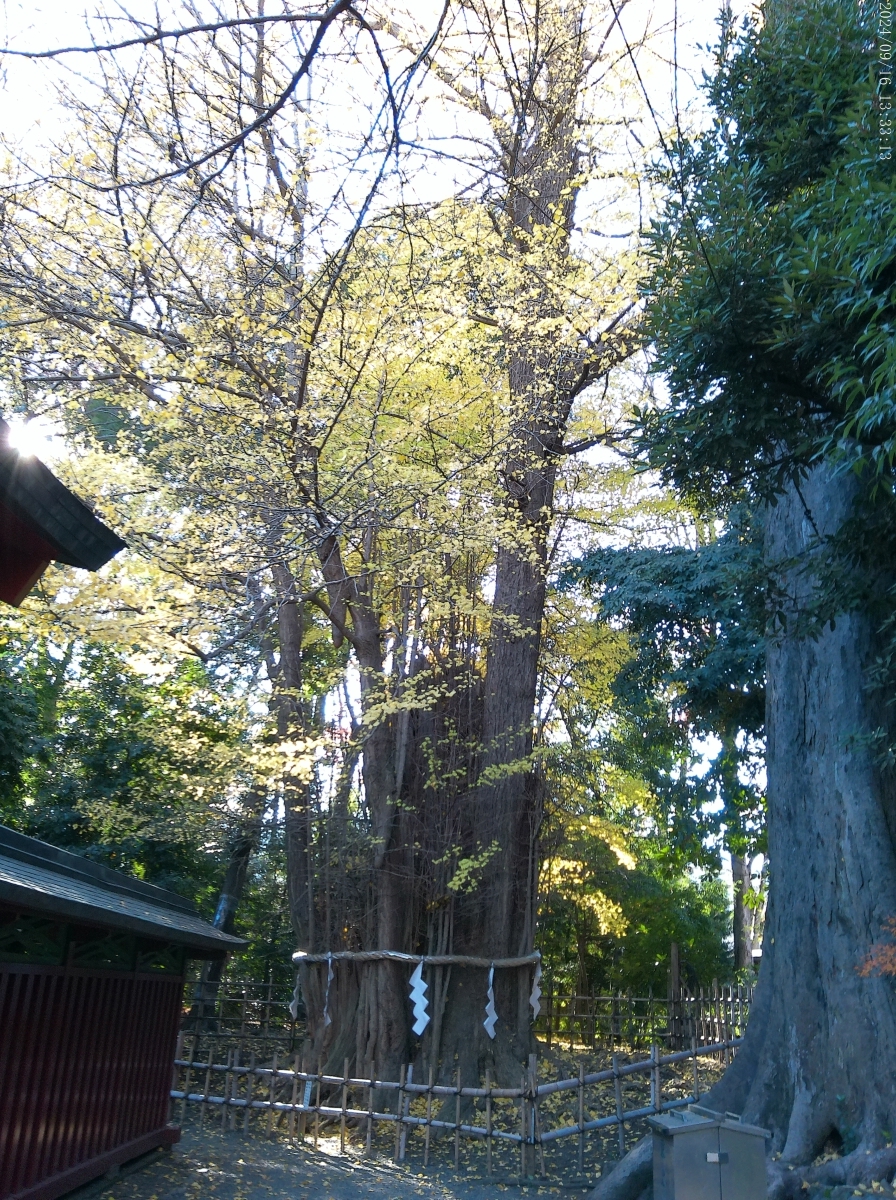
(816, 1063)
(243, 845)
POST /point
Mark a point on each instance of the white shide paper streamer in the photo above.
(491, 1013)
(418, 999)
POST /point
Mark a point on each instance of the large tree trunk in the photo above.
(741, 924)
(816, 1064)
(498, 918)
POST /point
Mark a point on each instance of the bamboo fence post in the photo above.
(656, 1098)
(272, 1096)
(317, 1105)
(250, 1087)
(399, 1111)
(294, 1097)
(457, 1122)
(208, 1083)
(700, 1018)
(617, 1088)
(266, 1027)
(175, 1069)
(429, 1115)
(228, 1083)
(344, 1106)
(306, 1096)
(523, 1156)
(581, 1119)
(405, 1128)
(187, 1077)
(532, 1105)
(368, 1146)
(488, 1122)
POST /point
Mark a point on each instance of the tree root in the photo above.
(786, 1181)
(631, 1179)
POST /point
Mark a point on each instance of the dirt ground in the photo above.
(230, 1166)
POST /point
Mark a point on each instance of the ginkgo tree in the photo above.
(300, 404)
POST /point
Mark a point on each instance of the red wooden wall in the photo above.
(85, 1068)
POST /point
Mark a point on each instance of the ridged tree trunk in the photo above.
(504, 815)
(816, 1065)
(741, 925)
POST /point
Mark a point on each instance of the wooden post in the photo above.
(317, 1105)
(674, 994)
(368, 1145)
(250, 1085)
(294, 1096)
(399, 1113)
(429, 1117)
(549, 1011)
(303, 1117)
(208, 1082)
(457, 1122)
(405, 1129)
(344, 1106)
(272, 1097)
(523, 1156)
(488, 1123)
(617, 1088)
(187, 1078)
(656, 1098)
(581, 1119)
(531, 1123)
(696, 1080)
(228, 1080)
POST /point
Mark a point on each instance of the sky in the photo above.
(28, 114)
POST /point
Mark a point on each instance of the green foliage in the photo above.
(132, 771)
(607, 922)
(696, 617)
(624, 825)
(772, 264)
(18, 713)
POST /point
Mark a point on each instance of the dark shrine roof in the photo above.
(41, 878)
(34, 495)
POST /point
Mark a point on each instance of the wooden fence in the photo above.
(707, 1015)
(526, 1120)
(247, 1009)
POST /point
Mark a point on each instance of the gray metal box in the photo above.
(699, 1154)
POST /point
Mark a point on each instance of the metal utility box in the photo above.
(699, 1154)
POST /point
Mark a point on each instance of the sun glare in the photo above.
(34, 438)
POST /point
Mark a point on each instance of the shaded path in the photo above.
(227, 1166)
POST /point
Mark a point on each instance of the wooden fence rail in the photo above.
(707, 1015)
(512, 1116)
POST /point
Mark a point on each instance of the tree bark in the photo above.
(816, 1064)
(741, 924)
(505, 810)
(242, 846)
